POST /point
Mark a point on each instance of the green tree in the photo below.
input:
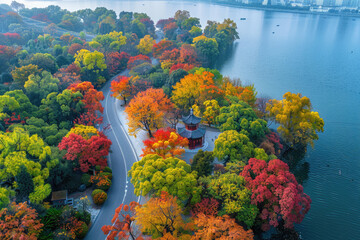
(203, 163)
(25, 184)
(111, 41)
(7, 104)
(242, 118)
(208, 49)
(153, 174)
(44, 61)
(21, 75)
(230, 190)
(232, 146)
(61, 107)
(26, 108)
(5, 195)
(18, 148)
(38, 87)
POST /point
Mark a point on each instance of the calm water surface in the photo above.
(315, 55)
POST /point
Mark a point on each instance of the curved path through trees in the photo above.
(122, 156)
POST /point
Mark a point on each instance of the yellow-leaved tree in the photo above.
(187, 92)
(146, 44)
(85, 131)
(162, 217)
(212, 110)
(298, 124)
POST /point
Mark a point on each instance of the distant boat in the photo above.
(273, 32)
(277, 25)
(242, 18)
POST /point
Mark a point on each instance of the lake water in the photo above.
(318, 56)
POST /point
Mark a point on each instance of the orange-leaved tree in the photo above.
(122, 227)
(211, 227)
(123, 87)
(165, 143)
(146, 111)
(91, 97)
(18, 221)
(189, 90)
(161, 217)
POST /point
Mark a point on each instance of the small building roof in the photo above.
(198, 133)
(59, 195)
(191, 119)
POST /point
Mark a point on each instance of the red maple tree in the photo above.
(207, 206)
(89, 152)
(117, 62)
(184, 66)
(276, 193)
(160, 47)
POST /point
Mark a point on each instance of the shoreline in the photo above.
(287, 10)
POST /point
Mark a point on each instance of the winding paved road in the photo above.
(121, 158)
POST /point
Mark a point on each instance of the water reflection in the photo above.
(295, 158)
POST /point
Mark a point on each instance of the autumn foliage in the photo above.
(161, 216)
(123, 87)
(211, 227)
(18, 221)
(165, 143)
(86, 152)
(298, 125)
(276, 192)
(117, 62)
(67, 78)
(160, 47)
(146, 110)
(207, 206)
(184, 66)
(91, 97)
(137, 60)
(122, 220)
(192, 89)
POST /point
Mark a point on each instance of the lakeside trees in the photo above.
(298, 124)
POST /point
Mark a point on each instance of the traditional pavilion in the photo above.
(192, 131)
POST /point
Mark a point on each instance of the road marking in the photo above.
(117, 140)
(132, 148)
(128, 139)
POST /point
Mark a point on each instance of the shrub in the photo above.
(102, 180)
(100, 198)
(81, 233)
(106, 174)
(96, 191)
(51, 219)
(107, 169)
(85, 217)
(85, 179)
(104, 185)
